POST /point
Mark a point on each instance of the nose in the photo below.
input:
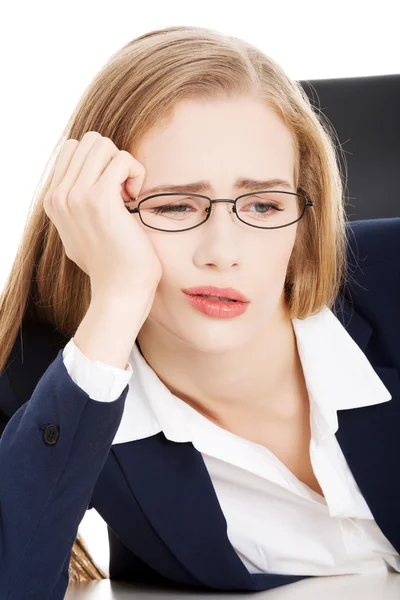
(219, 247)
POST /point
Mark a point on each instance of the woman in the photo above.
(238, 444)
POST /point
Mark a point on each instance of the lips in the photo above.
(223, 293)
(215, 297)
(219, 309)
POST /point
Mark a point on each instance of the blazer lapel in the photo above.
(370, 441)
(359, 329)
(370, 436)
(172, 485)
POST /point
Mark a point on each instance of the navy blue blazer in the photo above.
(165, 524)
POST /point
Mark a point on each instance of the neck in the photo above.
(256, 378)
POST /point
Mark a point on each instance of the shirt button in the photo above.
(51, 434)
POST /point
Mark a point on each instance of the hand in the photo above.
(91, 182)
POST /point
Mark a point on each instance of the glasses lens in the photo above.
(174, 212)
(270, 209)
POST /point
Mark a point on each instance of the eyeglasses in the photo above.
(181, 212)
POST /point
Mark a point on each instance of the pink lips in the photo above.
(211, 290)
(217, 308)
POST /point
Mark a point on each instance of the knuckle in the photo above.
(91, 135)
(46, 203)
(138, 164)
(125, 154)
(70, 142)
(58, 195)
(106, 141)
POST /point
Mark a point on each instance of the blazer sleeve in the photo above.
(47, 477)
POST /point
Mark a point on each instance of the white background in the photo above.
(50, 51)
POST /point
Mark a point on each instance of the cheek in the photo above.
(276, 251)
(271, 269)
(173, 256)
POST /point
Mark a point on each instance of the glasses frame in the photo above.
(308, 203)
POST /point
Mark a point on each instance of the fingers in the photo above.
(69, 164)
(95, 161)
(81, 152)
(61, 167)
(122, 168)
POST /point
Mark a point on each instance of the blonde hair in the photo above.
(137, 89)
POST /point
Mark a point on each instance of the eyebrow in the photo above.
(250, 185)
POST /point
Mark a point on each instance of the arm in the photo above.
(46, 488)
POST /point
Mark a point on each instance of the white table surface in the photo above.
(339, 587)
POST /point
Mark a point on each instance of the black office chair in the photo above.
(365, 113)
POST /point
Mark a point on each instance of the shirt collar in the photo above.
(338, 376)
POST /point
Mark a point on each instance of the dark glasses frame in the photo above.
(308, 203)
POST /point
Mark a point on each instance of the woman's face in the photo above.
(218, 141)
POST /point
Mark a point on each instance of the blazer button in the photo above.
(51, 434)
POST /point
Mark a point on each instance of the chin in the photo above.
(214, 336)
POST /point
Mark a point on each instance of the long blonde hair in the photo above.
(137, 89)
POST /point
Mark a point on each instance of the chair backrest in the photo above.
(365, 113)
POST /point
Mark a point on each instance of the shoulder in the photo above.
(374, 241)
(373, 277)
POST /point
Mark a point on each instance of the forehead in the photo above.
(218, 140)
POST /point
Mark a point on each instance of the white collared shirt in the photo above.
(275, 522)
